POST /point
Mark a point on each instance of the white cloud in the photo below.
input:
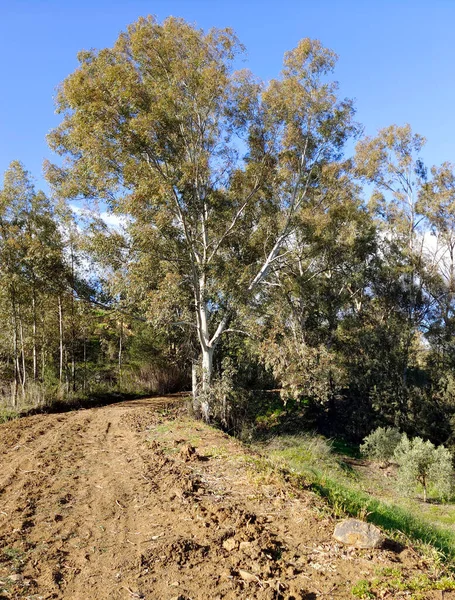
(112, 220)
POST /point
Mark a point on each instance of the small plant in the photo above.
(362, 589)
(380, 445)
(422, 464)
(14, 556)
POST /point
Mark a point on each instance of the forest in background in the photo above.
(253, 252)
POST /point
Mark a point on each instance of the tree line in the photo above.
(254, 251)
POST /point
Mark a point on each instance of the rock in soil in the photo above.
(359, 534)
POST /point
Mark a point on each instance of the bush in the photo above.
(421, 464)
(381, 444)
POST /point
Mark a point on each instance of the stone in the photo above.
(230, 544)
(245, 546)
(359, 534)
(247, 576)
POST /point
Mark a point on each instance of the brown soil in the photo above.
(133, 500)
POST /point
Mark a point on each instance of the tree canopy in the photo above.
(254, 248)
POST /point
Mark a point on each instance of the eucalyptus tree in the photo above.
(321, 292)
(31, 265)
(437, 204)
(391, 162)
(211, 166)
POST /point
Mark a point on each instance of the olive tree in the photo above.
(422, 464)
(381, 443)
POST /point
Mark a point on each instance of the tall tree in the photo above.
(391, 163)
(211, 166)
(437, 204)
(31, 266)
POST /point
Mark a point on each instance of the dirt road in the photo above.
(114, 503)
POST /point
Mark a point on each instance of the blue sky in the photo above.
(397, 58)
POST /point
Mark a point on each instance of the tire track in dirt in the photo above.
(114, 503)
(21, 440)
(65, 477)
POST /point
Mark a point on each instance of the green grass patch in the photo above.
(395, 581)
(345, 448)
(7, 414)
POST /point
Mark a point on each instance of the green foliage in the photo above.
(362, 589)
(244, 235)
(381, 444)
(223, 399)
(422, 464)
(7, 415)
(395, 580)
(64, 338)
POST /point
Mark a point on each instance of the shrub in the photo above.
(421, 464)
(381, 444)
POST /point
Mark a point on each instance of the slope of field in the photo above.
(134, 500)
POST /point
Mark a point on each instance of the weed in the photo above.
(393, 580)
(362, 589)
(15, 556)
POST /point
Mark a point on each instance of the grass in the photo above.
(314, 464)
(394, 581)
(7, 415)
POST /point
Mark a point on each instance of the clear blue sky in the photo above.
(397, 57)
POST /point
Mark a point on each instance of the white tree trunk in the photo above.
(60, 328)
(207, 367)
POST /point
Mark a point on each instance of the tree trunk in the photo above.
(120, 348)
(84, 381)
(43, 353)
(208, 344)
(73, 325)
(24, 372)
(34, 354)
(60, 329)
(16, 364)
(207, 367)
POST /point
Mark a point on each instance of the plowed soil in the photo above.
(134, 500)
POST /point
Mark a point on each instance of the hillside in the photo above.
(135, 500)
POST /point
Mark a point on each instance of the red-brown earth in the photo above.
(136, 500)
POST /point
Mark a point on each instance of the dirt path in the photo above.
(112, 503)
